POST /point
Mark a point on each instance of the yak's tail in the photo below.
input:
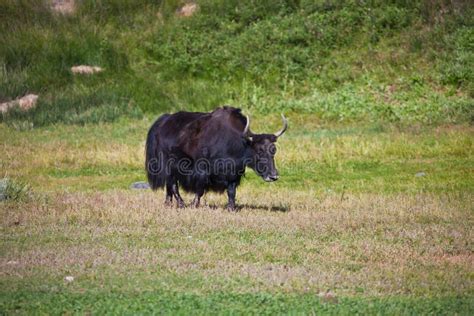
(155, 156)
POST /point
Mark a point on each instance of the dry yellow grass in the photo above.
(367, 243)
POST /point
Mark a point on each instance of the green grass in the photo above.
(341, 158)
(64, 301)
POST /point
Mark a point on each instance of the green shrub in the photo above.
(13, 190)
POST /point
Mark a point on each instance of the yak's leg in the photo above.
(172, 184)
(177, 196)
(197, 198)
(231, 191)
(169, 194)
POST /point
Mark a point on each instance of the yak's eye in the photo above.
(272, 149)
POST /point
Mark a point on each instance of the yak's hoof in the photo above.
(181, 204)
(231, 208)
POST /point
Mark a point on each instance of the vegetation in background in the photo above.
(397, 61)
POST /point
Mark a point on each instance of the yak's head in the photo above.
(263, 151)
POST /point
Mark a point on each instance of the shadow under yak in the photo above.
(272, 208)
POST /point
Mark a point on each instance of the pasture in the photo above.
(349, 216)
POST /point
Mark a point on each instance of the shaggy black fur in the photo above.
(206, 151)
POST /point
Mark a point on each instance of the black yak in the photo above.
(207, 151)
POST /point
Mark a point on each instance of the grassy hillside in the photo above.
(398, 61)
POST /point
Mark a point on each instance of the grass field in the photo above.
(348, 216)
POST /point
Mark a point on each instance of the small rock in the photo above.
(63, 6)
(140, 185)
(420, 174)
(12, 262)
(28, 102)
(85, 70)
(187, 10)
(69, 279)
(24, 103)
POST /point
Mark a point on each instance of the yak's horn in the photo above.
(246, 131)
(285, 126)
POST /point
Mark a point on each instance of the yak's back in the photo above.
(215, 134)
